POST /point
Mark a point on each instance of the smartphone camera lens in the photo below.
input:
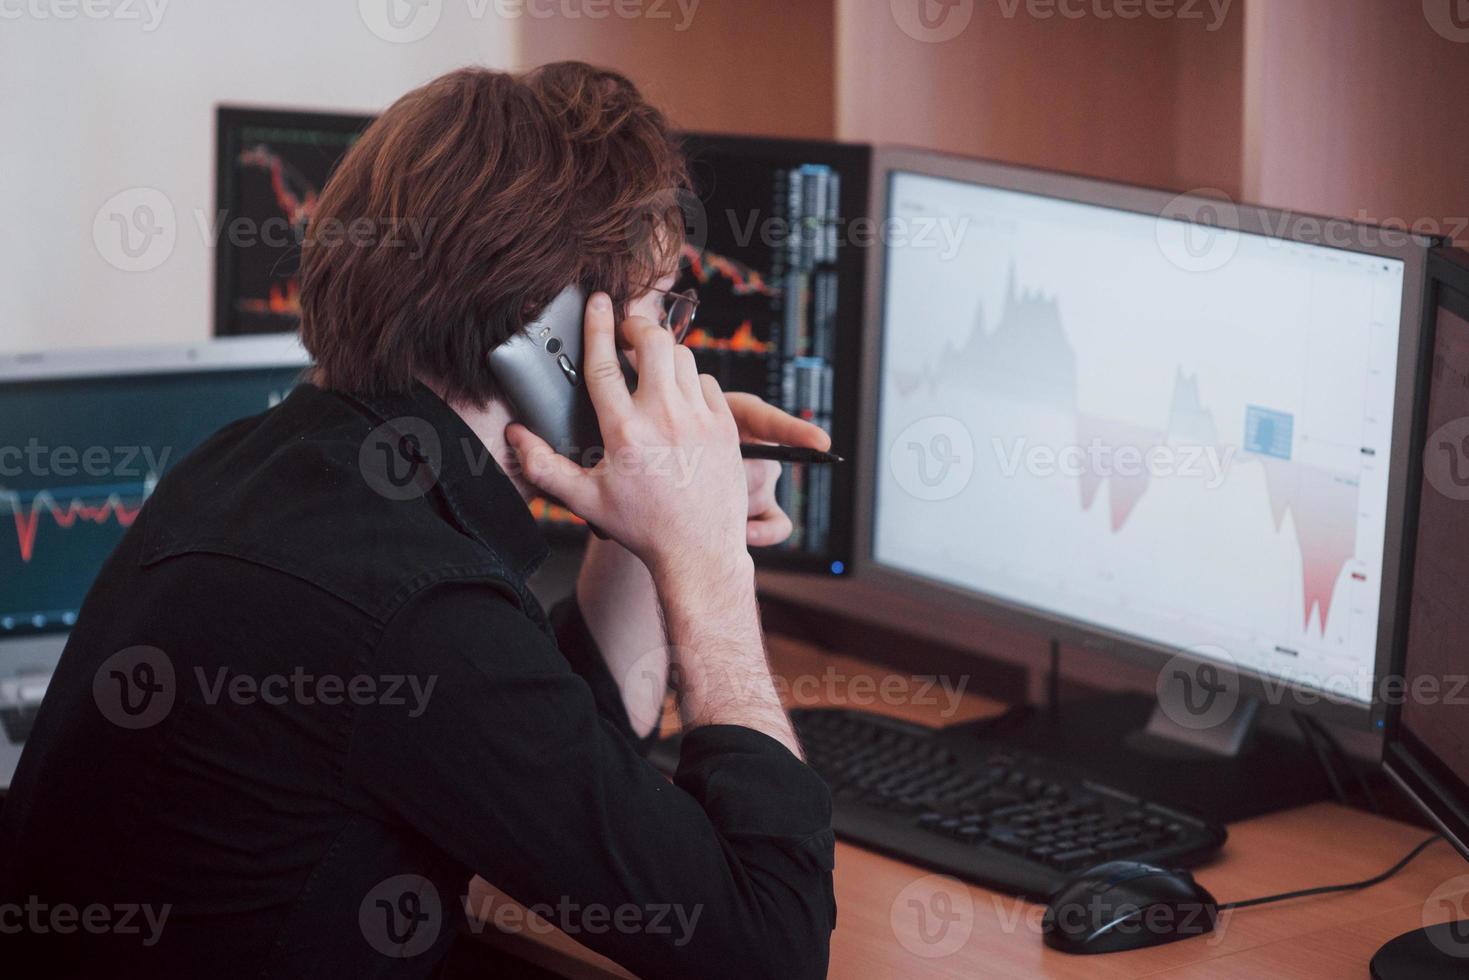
(553, 346)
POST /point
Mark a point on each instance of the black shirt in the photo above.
(310, 694)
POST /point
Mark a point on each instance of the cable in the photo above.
(1347, 761)
(1326, 889)
(1309, 735)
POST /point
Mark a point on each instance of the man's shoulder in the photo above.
(303, 490)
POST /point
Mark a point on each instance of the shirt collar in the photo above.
(460, 472)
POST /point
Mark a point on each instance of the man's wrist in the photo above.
(705, 585)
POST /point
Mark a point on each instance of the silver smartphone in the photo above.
(540, 372)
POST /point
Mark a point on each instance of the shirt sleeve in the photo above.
(510, 767)
(579, 647)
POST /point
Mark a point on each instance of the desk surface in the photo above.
(987, 934)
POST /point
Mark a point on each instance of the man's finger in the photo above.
(760, 421)
(761, 476)
(769, 529)
(550, 472)
(654, 347)
(601, 372)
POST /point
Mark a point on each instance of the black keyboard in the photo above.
(980, 811)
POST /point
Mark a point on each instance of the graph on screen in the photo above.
(79, 460)
(272, 168)
(1193, 459)
(72, 507)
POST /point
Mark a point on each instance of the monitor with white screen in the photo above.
(1160, 426)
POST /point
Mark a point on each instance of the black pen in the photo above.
(787, 454)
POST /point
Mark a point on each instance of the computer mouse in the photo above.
(1125, 905)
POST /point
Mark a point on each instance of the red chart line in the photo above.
(28, 519)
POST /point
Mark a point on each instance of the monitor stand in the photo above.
(1228, 771)
(1438, 952)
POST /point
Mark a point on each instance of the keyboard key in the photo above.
(1067, 860)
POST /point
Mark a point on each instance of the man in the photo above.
(310, 694)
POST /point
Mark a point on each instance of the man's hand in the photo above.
(686, 525)
(669, 487)
(759, 421)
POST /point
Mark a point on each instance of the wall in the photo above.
(1355, 108)
(1084, 94)
(95, 107)
(763, 67)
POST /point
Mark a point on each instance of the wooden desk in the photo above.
(879, 899)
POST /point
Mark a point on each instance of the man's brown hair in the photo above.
(467, 206)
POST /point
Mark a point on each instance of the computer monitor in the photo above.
(776, 256)
(1426, 739)
(85, 436)
(271, 165)
(1169, 428)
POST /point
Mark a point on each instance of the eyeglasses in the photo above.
(678, 311)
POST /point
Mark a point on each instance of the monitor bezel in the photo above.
(1275, 223)
(227, 117)
(242, 353)
(1439, 793)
